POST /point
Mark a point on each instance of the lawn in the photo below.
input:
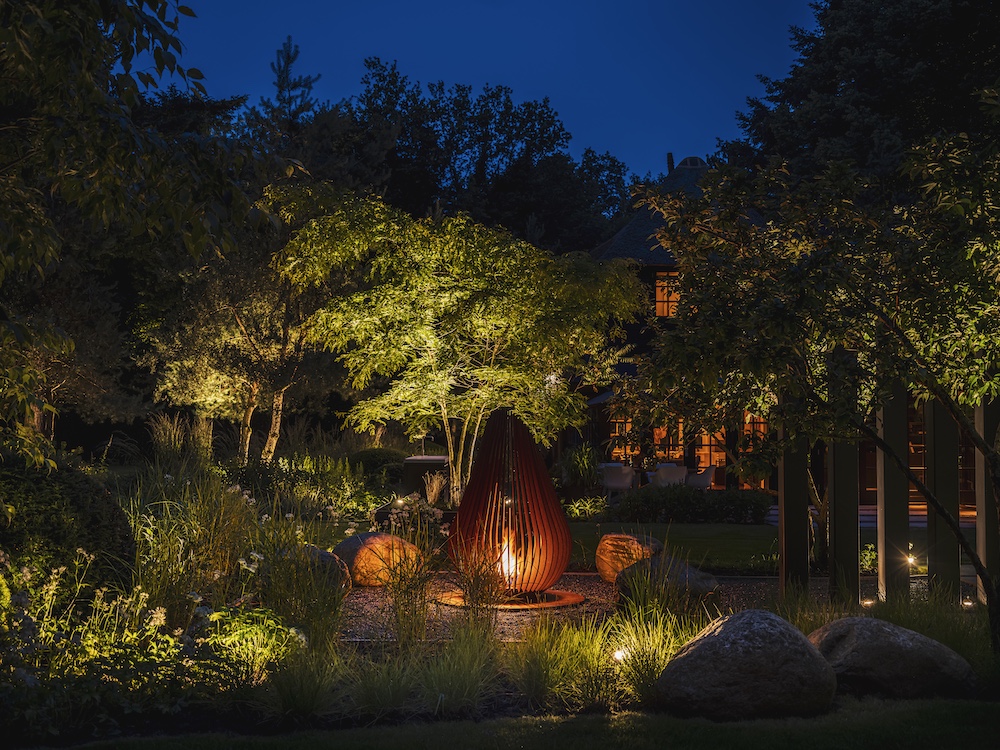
(854, 724)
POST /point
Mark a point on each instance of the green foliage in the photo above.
(252, 642)
(76, 662)
(79, 163)
(870, 81)
(303, 689)
(681, 503)
(190, 533)
(460, 679)
(296, 580)
(586, 508)
(538, 666)
(460, 319)
(644, 640)
(60, 512)
(577, 472)
(383, 688)
(373, 459)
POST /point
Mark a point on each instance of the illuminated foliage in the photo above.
(451, 320)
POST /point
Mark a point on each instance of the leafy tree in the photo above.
(502, 162)
(460, 320)
(72, 158)
(781, 274)
(872, 79)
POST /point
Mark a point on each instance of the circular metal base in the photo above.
(531, 600)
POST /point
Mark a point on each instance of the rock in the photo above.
(667, 571)
(370, 556)
(871, 656)
(332, 564)
(748, 665)
(615, 552)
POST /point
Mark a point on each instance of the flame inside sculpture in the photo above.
(510, 513)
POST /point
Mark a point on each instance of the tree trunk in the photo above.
(277, 404)
(245, 430)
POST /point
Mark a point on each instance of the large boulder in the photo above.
(748, 665)
(665, 572)
(615, 552)
(371, 556)
(331, 565)
(871, 656)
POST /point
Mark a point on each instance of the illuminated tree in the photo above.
(452, 320)
(72, 159)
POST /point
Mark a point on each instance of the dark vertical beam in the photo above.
(893, 501)
(793, 517)
(844, 492)
(943, 556)
(844, 489)
(987, 541)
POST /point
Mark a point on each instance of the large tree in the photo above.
(874, 78)
(781, 274)
(453, 320)
(73, 159)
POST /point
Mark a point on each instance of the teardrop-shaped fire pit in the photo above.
(511, 518)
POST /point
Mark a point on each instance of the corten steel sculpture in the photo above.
(510, 513)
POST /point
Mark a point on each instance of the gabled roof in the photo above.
(637, 239)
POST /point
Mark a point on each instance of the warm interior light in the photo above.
(867, 603)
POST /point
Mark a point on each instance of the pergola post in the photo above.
(893, 501)
(793, 518)
(843, 496)
(987, 542)
(943, 553)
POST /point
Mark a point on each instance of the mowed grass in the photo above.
(719, 548)
(853, 724)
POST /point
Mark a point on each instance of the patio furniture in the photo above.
(668, 474)
(617, 478)
(703, 479)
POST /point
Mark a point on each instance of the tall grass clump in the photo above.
(482, 585)
(644, 640)
(539, 666)
(461, 678)
(299, 582)
(253, 642)
(303, 689)
(410, 570)
(382, 686)
(190, 533)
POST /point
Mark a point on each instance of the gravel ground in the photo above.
(367, 615)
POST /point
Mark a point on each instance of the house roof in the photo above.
(637, 239)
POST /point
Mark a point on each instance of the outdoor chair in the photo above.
(666, 475)
(617, 478)
(703, 479)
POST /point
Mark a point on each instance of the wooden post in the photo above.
(943, 556)
(844, 490)
(987, 542)
(793, 518)
(893, 502)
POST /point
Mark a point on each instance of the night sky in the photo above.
(637, 78)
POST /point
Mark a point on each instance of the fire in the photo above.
(508, 562)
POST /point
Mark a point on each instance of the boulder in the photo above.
(615, 552)
(748, 665)
(664, 571)
(331, 564)
(874, 657)
(370, 556)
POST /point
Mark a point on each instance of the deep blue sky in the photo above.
(637, 78)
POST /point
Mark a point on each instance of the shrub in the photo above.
(457, 681)
(56, 513)
(680, 503)
(373, 459)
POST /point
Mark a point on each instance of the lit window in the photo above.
(667, 295)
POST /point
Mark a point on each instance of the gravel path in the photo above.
(367, 615)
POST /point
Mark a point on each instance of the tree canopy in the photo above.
(454, 320)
